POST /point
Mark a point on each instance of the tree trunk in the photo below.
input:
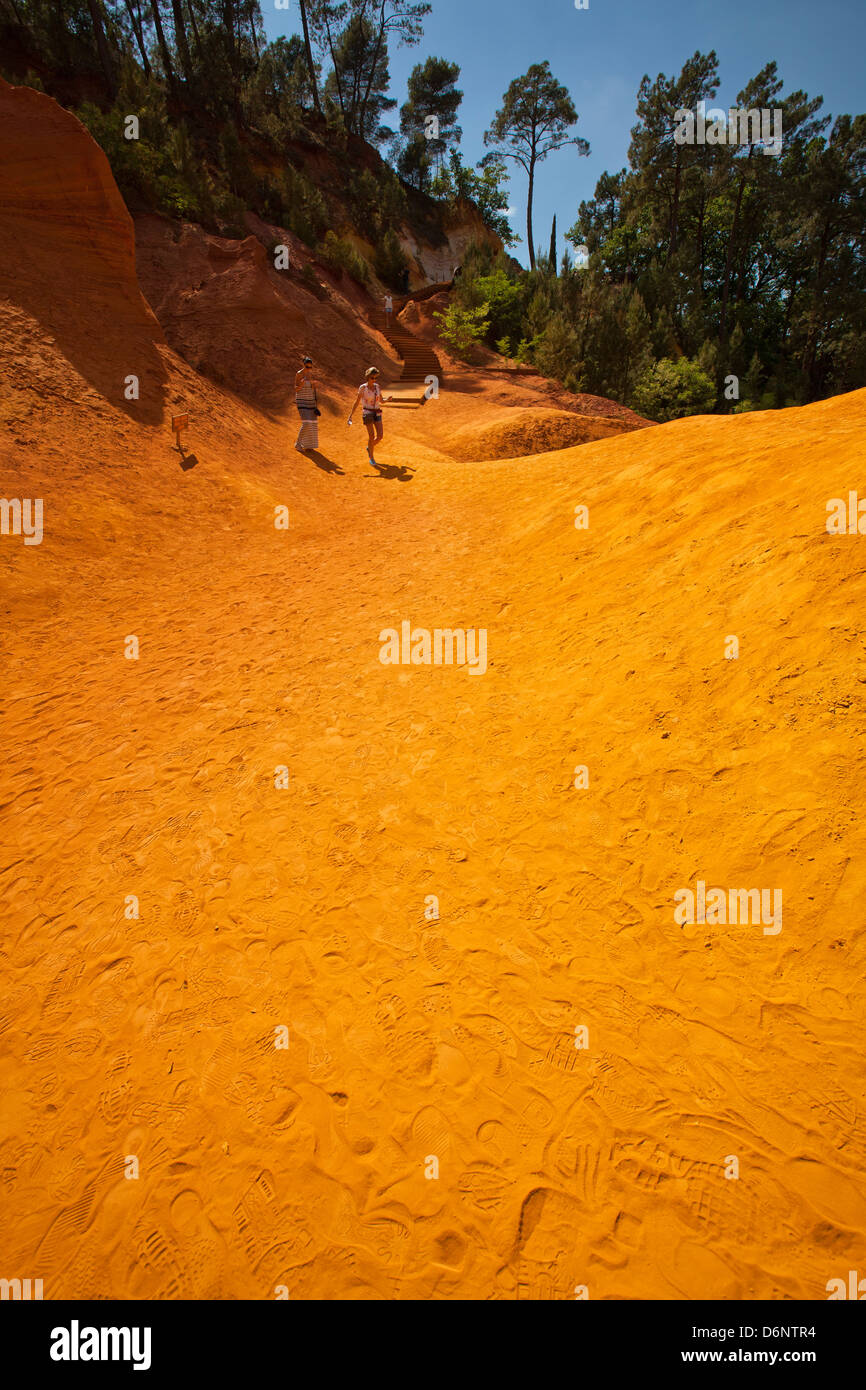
(310, 63)
(375, 64)
(810, 350)
(180, 39)
(337, 78)
(675, 209)
(105, 56)
(194, 25)
(729, 259)
(529, 213)
(251, 15)
(139, 37)
(163, 46)
(228, 13)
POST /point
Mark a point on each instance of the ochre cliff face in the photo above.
(67, 264)
(65, 233)
(438, 262)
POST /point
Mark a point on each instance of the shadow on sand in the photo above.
(321, 461)
(394, 470)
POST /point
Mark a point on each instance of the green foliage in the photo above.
(485, 190)
(273, 96)
(358, 83)
(389, 259)
(668, 390)
(355, 36)
(167, 176)
(340, 254)
(461, 329)
(136, 164)
(293, 201)
(375, 203)
(431, 92)
(496, 290)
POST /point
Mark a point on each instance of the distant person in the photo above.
(305, 400)
(389, 307)
(371, 398)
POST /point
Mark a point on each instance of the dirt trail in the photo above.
(169, 909)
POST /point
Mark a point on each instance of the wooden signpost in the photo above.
(178, 423)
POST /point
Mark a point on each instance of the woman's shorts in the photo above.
(372, 417)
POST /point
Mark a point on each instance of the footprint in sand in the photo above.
(623, 1093)
(114, 1100)
(431, 1132)
(483, 1186)
(255, 1212)
(412, 1052)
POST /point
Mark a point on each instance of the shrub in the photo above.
(500, 294)
(304, 210)
(135, 164)
(230, 211)
(340, 254)
(556, 350)
(376, 203)
(389, 260)
(671, 389)
(462, 328)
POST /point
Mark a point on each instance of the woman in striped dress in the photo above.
(305, 400)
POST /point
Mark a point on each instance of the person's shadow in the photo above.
(395, 470)
(327, 465)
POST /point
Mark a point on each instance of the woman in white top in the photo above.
(371, 399)
(305, 400)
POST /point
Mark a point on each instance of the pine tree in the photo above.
(534, 119)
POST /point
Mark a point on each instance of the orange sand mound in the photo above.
(513, 433)
(170, 908)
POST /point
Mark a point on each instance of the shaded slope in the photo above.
(236, 319)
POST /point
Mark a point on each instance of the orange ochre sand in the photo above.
(423, 905)
(305, 907)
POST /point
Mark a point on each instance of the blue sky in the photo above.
(601, 54)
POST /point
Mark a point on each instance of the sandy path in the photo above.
(304, 907)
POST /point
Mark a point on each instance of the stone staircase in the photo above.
(419, 359)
